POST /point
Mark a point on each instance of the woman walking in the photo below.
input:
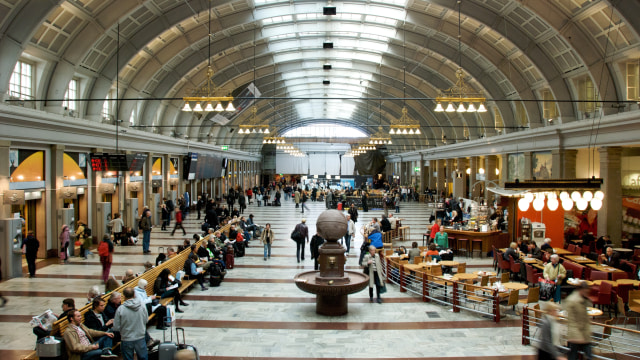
(105, 250)
(267, 239)
(64, 243)
(372, 263)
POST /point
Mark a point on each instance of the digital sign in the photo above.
(117, 162)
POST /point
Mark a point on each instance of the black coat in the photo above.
(316, 242)
(92, 322)
(32, 245)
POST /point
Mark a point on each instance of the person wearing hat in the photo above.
(548, 347)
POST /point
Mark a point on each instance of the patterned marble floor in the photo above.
(259, 313)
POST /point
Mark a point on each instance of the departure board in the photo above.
(117, 162)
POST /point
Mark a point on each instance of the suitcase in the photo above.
(214, 281)
(229, 261)
(167, 349)
(340, 206)
(185, 351)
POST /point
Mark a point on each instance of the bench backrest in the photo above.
(174, 264)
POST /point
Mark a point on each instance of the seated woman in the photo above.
(161, 285)
(433, 252)
(192, 270)
(414, 251)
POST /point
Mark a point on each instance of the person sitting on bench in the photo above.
(83, 343)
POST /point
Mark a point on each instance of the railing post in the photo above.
(402, 279)
(425, 289)
(496, 306)
(388, 271)
(525, 326)
(455, 295)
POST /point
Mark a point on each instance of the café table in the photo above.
(448, 263)
(484, 273)
(589, 283)
(594, 311)
(464, 276)
(604, 268)
(515, 286)
(561, 251)
(624, 252)
(528, 260)
(599, 282)
(579, 259)
(635, 283)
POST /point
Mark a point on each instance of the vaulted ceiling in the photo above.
(386, 55)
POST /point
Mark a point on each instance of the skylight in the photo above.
(325, 130)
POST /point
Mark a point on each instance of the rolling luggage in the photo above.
(185, 351)
(167, 349)
(229, 261)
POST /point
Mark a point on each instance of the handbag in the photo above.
(383, 289)
(547, 289)
(296, 235)
(366, 270)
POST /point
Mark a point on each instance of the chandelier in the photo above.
(253, 126)
(291, 150)
(204, 95)
(404, 125)
(566, 192)
(379, 138)
(460, 93)
(273, 140)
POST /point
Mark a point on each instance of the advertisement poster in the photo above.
(630, 216)
(516, 167)
(541, 165)
(576, 222)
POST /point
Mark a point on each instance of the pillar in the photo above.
(569, 164)
(461, 185)
(440, 185)
(474, 190)
(423, 175)
(504, 167)
(5, 174)
(432, 179)
(53, 201)
(610, 215)
(490, 176)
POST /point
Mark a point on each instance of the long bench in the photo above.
(174, 264)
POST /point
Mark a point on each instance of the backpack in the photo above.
(103, 249)
(87, 232)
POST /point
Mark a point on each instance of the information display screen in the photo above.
(117, 162)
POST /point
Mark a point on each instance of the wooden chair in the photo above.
(512, 300)
(604, 336)
(604, 296)
(484, 281)
(618, 275)
(474, 298)
(504, 277)
(532, 297)
(462, 268)
(623, 312)
(417, 259)
(634, 306)
(436, 270)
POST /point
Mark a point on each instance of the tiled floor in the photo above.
(258, 312)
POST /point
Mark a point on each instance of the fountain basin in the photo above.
(331, 298)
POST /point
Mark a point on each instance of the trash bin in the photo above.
(50, 348)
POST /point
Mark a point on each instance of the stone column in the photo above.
(5, 174)
(610, 215)
(423, 175)
(528, 166)
(556, 163)
(53, 201)
(490, 175)
(461, 168)
(504, 167)
(473, 171)
(433, 184)
(440, 185)
(569, 164)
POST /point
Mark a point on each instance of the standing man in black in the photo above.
(170, 207)
(304, 235)
(199, 205)
(30, 246)
(365, 206)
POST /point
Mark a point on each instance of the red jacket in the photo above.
(179, 217)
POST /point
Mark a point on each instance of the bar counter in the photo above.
(495, 238)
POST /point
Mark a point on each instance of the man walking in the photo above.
(578, 323)
(131, 322)
(351, 231)
(145, 225)
(304, 235)
(30, 246)
(304, 200)
(199, 205)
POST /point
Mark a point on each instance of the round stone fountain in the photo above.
(332, 283)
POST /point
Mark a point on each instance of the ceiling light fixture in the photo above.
(404, 123)
(205, 93)
(460, 93)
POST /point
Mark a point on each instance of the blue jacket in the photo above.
(376, 239)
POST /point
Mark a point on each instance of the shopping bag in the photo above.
(547, 289)
(170, 318)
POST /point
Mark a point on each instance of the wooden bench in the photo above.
(174, 264)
